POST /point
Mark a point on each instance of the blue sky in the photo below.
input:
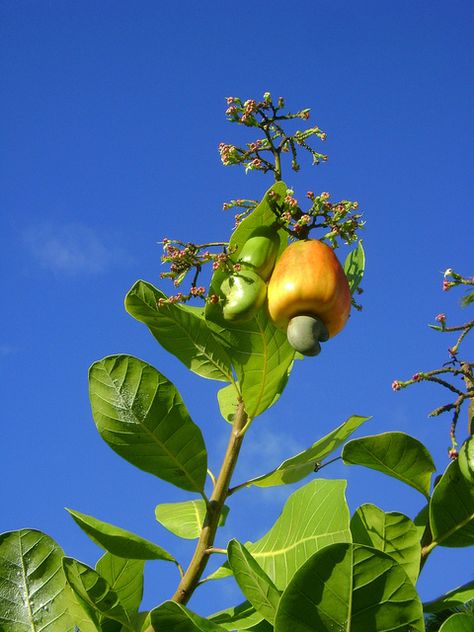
(111, 114)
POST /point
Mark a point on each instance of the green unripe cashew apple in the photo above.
(260, 251)
(308, 295)
(245, 291)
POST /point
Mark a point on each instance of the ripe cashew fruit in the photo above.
(245, 291)
(308, 281)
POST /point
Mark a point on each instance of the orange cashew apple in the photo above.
(308, 295)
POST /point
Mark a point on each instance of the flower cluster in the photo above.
(337, 219)
(185, 258)
(264, 153)
(456, 375)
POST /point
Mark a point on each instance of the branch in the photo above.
(204, 547)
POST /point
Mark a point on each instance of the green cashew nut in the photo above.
(245, 291)
(305, 332)
(245, 294)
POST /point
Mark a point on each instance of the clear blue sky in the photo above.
(111, 113)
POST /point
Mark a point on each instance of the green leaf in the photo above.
(297, 467)
(262, 359)
(125, 577)
(313, 517)
(118, 541)
(241, 617)
(263, 626)
(354, 267)
(141, 415)
(260, 352)
(452, 599)
(350, 588)
(421, 521)
(253, 581)
(393, 533)
(185, 519)
(181, 331)
(458, 622)
(227, 400)
(173, 617)
(396, 454)
(466, 460)
(452, 509)
(94, 594)
(33, 590)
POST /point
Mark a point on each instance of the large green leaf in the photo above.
(259, 351)
(354, 267)
(33, 589)
(299, 466)
(141, 415)
(186, 519)
(118, 541)
(173, 617)
(456, 597)
(241, 617)
(125, 577)
(262, 359)
(396, 454)
(393, 533)
(180, 331)
(94, 594)
(254, 583)
(458, 622)
(227, 396)
(452, 509)
(313, 517)
(350, 588)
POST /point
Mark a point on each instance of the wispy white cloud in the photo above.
(71, 249)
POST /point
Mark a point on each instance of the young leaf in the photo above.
(33, 590)
(253, 581)
(241, 617)
(185, 519)
(452, 509)
(227, 400)
(395, 454)
(141, 415)
(125, 577)
(118, 541)
(94, 594)
(456, 597)
(173, 617)
(301, 465)
(353, 588)
(181, 331)
(313, 517)
(458, 622)
(354, 267)
(392, 533)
